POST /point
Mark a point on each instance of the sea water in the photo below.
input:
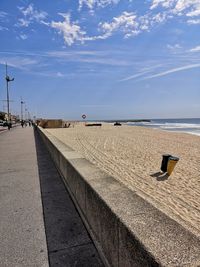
(191, 126)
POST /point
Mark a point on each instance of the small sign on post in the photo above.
(84, 117)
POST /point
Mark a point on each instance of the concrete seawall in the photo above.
(127, 230)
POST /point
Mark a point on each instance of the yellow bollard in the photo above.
(171, 164)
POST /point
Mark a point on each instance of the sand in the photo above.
(133, 156)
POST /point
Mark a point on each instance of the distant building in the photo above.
(2, 116)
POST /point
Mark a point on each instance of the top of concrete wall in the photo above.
(160, 240)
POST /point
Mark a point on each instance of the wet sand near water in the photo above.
(133, 156)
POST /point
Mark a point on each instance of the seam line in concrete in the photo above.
(70, 247)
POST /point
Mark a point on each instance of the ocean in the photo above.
(190, 126)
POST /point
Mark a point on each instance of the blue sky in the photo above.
(104, 58)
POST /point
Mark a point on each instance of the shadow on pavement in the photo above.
(68, 241)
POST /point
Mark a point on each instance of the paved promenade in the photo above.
(39, 225)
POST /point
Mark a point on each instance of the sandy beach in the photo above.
(133, 156)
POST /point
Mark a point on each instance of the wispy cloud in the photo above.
(195, 49)
(22, 63)
(106, 61)
(51, 74)
(3, 28)
(62, 54)
(176, 48)
(62, 57)
(23, 36)
(59, 74)
(142, 75)
(126, 23)
(58, 53)
(3, 14)
(142, 72)
(129, 24)
(23, 22)
(95, 106)
(4, 18)
(91, 4)
(134, 76)
(188, 8)
(163, 3)
(71, 31)
(172, 47)
(164, 73)
(193, 21)
(90, 57)
(30, 65)
(30, 15)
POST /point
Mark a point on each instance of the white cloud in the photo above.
(23, 36)
(105, 61)
(64, 54)
(174, 48)
(59, 74)
(30, 15)
(142, 72)
(193, 21)
(3, 28)
(195, 49)
(96, 57)
(22, 63)
(164, 73)
(23, 22)
(70, 30)
(163, 3)
(3, 14)
(51, 74)
(33, 13)
(160, 74)
(91, 4)
(189, 8)
(95, 106)
(194, 13)
(134, 76)
(126, 23)
(159, 18)
(192, 5)
(3, 19)
(131, 25)
(147, 21)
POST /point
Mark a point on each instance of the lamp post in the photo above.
(22, 102)
(8, 79)
(26, 113)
